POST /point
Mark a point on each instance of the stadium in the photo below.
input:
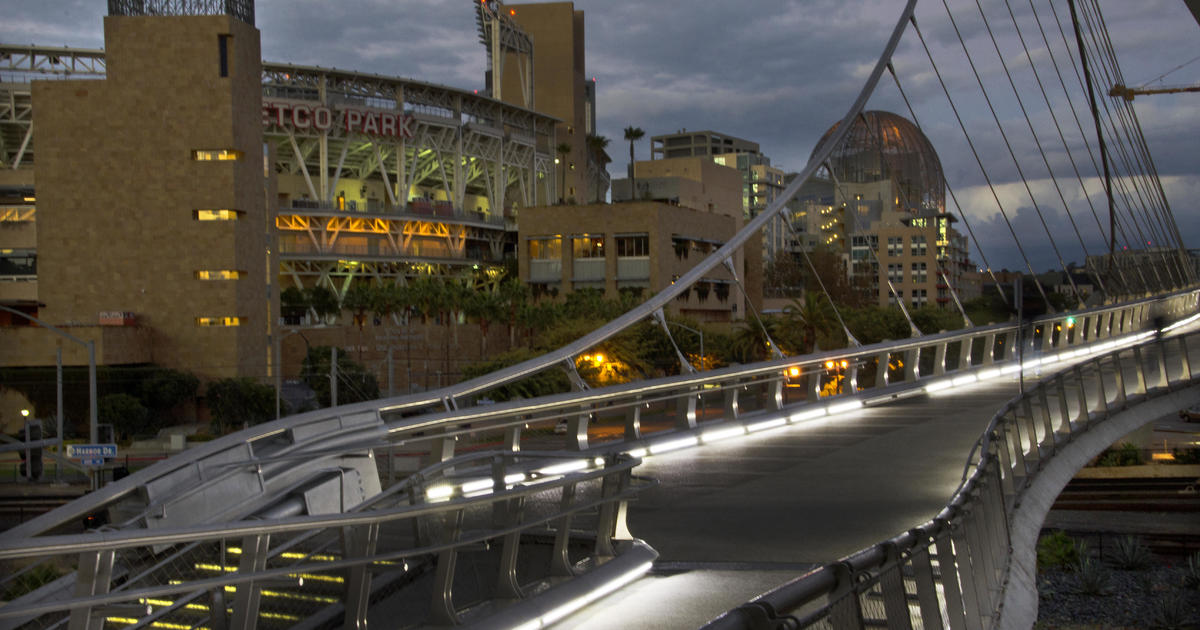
(136, 164)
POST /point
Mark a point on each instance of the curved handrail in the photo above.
(971, 548)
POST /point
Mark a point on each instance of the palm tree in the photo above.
(598, 146)
(563, 149)
(810, 316)
(633, 134)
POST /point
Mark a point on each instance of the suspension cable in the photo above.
(991, 187)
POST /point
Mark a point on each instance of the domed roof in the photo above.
(882, 146)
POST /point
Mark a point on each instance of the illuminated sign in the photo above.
(368, 122)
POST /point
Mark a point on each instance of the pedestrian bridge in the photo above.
(310, 521)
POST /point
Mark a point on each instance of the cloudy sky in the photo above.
(779, 72)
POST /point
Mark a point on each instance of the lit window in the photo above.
(220, 155)
(219, 321)
(217, 215)
(219, 274)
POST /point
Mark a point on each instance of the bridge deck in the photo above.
(733, 520)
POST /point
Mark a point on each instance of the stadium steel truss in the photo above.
(452, 166)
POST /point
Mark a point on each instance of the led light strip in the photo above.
(583, 600)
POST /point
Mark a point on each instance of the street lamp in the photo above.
(698, 332)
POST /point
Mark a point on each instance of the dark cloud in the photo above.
(780, 72)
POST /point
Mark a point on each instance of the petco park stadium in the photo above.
(153, 177)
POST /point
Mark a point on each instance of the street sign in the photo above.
(92, 461)
(91, 450)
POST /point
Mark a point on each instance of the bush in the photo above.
(237, 401)
(1057, 550)
(1130, 553)
(1191, 575)
(1126, 454)
(355, 383)
(126, 413)
(1092, 578)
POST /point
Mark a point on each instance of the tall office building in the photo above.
(151, 189)
(544, 69)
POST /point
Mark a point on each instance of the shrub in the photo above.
(1130, 553)
(1092, 578)
(237, 401)
(126, 413)
(1191, 575)
(1057, 550)
(1126, 454)
(1170, 612)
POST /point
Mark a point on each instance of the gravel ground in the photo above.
(1155, 597)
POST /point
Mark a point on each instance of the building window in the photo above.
(219, 274)
(219, 321)
(549, 248)
(919, 298)
(919, 272)
(633, 245)
(587, 246)
(217, 215)
(216, 155)
(895, 298)
(223, 53)
(895, 246)
(919, 246)
(895, 273)
(17, 263)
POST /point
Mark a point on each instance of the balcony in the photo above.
(545, 270)
(417, 208)
(588, 270)
(633, 268)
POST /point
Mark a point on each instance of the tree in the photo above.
(811, 317)
(358, 300)
(293, 304)
(563, 149)
(125, 413)
(633, 134)
(355, 383)
(598, 145)
(236, 401)
(164, 388)
(546, 382)
(322, 301)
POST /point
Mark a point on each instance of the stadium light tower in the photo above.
(501, 34)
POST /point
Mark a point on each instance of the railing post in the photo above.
(685, 410)
(512, 438)
(881, 369)
(606, 525)
(560, 561)
(966, 571)
(989, 346)
(731, 402)
(1185, 362)
(912, 368)
(245, 602)
(845, 606)
(359, 542)
(1064, 406)
(577, 430)
(927, 597)
(850, 385)
(1010, 344)
(939, 358)
(633, 420)
(1043, 404)
(93, 577)
(891, 586)
(1119, 373)
(441, 610)
(966, 353)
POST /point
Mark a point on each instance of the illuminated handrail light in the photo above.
(672, 445)
(583, 600)
(565, 467)
(714, 435)
(808, 414)
(938, 386)
(767, 424)
(851, 405)
(965, 379)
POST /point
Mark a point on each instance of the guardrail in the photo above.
(953, 570)
(279, 567)
(307, 465)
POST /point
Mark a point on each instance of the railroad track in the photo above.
(1168, 494)
(1159, 510)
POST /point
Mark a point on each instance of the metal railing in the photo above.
(318, 568)
(286, 471)
(953, 570)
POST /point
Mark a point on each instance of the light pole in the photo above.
(698, 332)
(91, 348)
